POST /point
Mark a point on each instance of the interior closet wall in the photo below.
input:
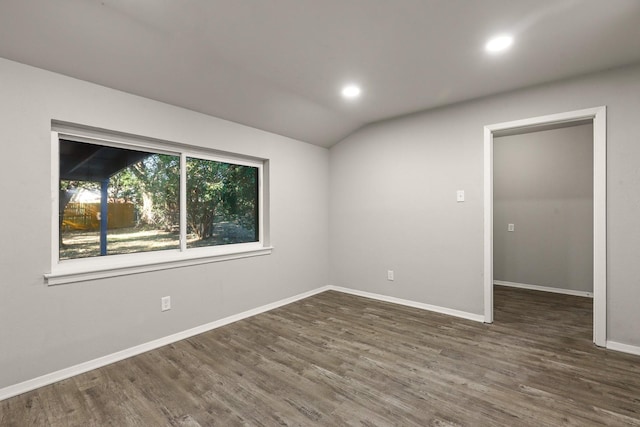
(543, 185)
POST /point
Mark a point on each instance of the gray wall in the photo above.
(543, 184)
(389, 188)
(393, 203)
(44, 329)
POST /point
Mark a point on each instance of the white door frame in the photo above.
(599, 117)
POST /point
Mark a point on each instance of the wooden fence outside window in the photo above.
(85, 216)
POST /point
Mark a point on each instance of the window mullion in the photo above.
(183, 202)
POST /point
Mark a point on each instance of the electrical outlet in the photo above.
(511, 227)
(165, 303)
(390, 275)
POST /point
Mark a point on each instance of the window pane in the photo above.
(138, 190)
(222, 203)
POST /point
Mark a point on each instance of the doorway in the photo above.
(596, 116)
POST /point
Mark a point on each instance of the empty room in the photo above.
(320, 213)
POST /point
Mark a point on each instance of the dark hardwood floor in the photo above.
(336, 359)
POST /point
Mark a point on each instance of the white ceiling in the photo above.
(279, 65)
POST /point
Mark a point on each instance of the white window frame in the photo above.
(82, 269)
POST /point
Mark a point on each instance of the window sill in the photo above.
(112, 266)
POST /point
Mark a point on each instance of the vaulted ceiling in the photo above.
(279, 65)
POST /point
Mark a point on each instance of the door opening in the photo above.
(596, 116)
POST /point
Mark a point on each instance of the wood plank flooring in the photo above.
(341, 360)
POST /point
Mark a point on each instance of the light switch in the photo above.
(511, 227)
(460, 195)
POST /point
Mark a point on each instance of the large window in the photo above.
(126, 205)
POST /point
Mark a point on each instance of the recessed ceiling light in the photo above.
(351, 91)
(499, 43)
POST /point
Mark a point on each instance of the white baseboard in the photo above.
(625, 348)
(65, 373)
(81, 368)
(544, 288)
(409, 303)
